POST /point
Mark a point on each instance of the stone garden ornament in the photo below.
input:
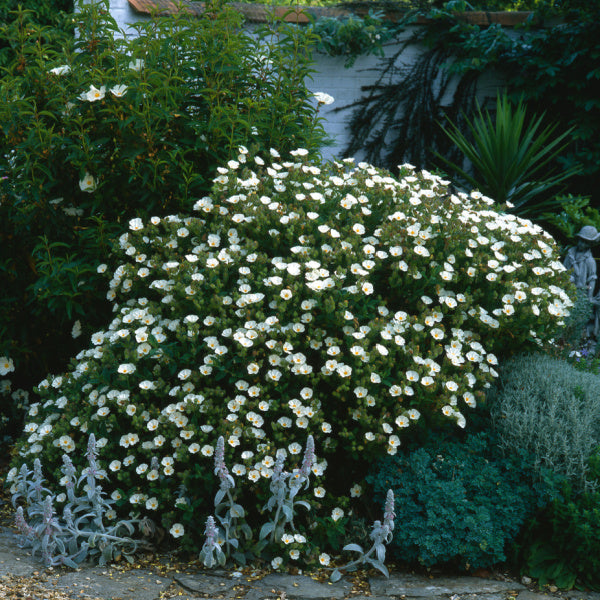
(580, 259)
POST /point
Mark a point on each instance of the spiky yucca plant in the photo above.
(511, 156)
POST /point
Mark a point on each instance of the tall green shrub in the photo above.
(47, 20)
(105, 128)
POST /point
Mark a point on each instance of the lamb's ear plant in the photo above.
(224, 541)
(381, 535)
(212, 553)
(284, 489)
(228, 512)
(81, 533)
(512, 156)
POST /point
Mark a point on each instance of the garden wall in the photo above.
(331, 76)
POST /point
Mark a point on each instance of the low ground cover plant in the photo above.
(333, 301)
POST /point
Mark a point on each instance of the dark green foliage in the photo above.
(509, 156)
(352, 36)
(458, 502)
(549, 408)
(574, 213)
(562, 545)
(553, 68)
(51, 15)
(575, 324)
(560, 73)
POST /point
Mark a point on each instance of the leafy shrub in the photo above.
(573, 214)
(48, 18)
(551, 409)
(103, 129)
(562, 546)
(576, 323)
(459, 501)
(337, 302)
(13, 403)
(352, 36)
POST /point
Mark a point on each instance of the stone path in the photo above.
(23, 577)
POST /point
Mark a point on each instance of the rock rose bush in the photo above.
(338, 302)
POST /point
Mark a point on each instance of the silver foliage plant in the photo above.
(222, 540)
(381, 534)
(81, 533)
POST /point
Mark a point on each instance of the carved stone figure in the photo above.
(580, 259)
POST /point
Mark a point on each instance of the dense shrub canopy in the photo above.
(338, 301)
(460, 502)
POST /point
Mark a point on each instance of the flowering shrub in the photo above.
(337, 302)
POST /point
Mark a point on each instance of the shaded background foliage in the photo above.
(552, 67)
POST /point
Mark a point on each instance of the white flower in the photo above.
(177, 530)
(324, 559)
(295, 448)
(94, 94)
(6, 365)
(323, 98)
(118, 90)
(62, 70)
(137, 64)
(337, 513)
(413, 414)
(88, 183)
(355, 491)
(402, 421)
(115, 465)
(367, 288)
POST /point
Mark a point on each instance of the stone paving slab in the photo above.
(14, 560)
(417, 586)
(210, 586)
(116, 583)
(112, 584)
(298, 587)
